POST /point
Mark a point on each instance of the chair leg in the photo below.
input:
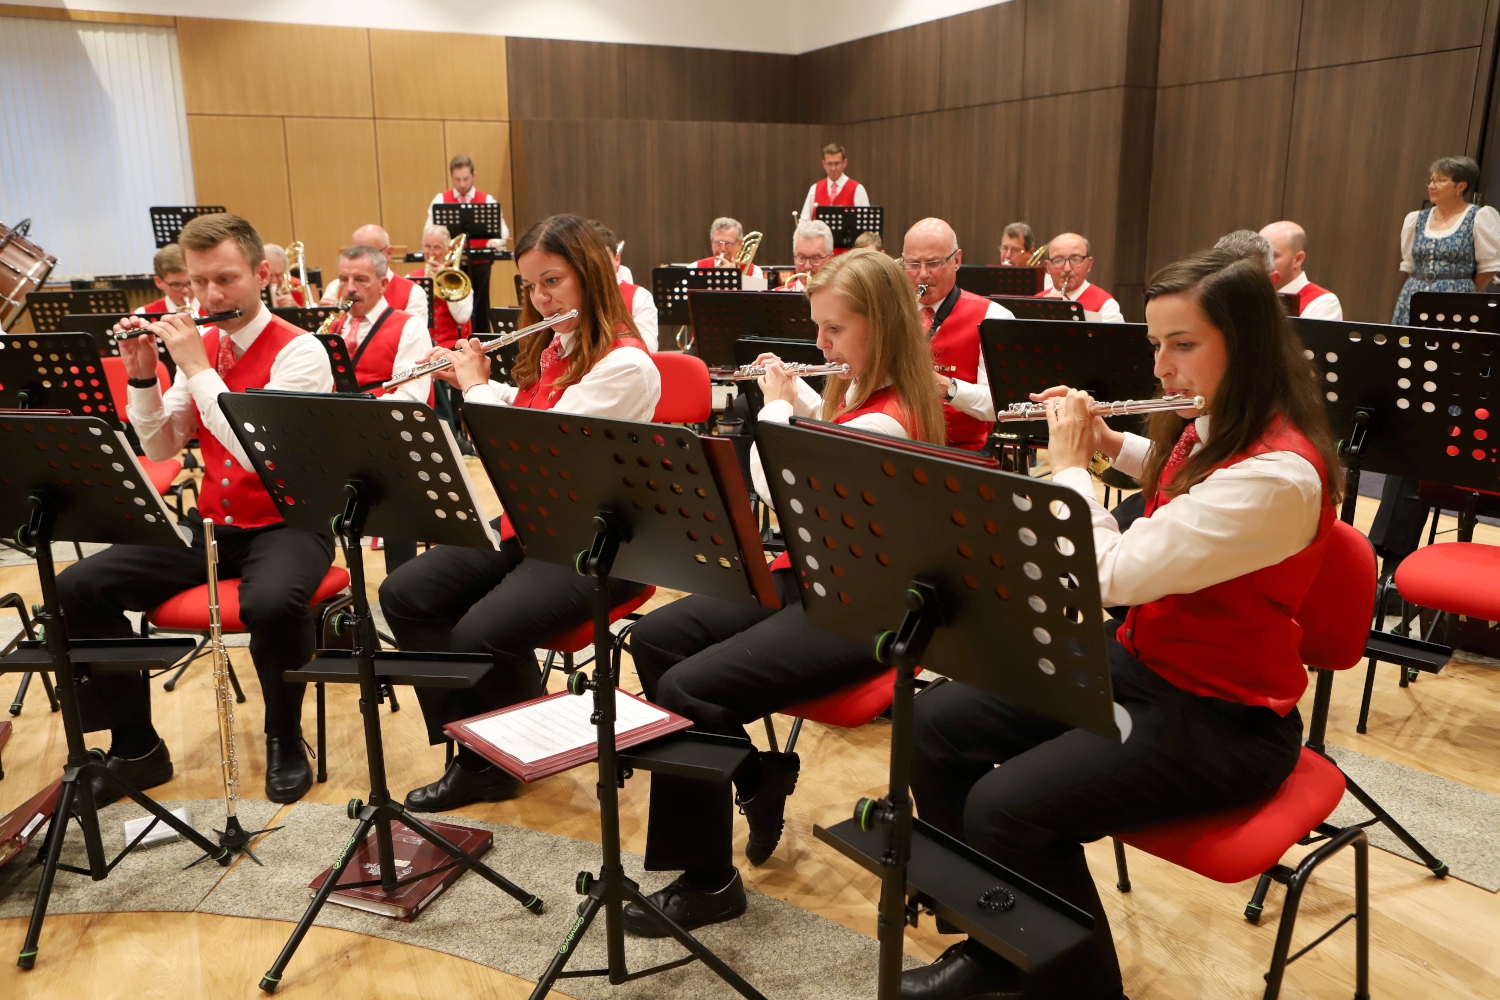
(322, 699)
(390, 692)
(51, 691)
(239, 694)
(1364, 705)
(1257, 904)
(1122, 870)
(791, 739)
(1349, 837)
(547, 667)
(771, 733)
(448, 754)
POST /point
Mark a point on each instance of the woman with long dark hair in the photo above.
(1206, 661)
(497, 602)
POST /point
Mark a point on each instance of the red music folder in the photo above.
(551, 734)
(22, 824)
(414, 854)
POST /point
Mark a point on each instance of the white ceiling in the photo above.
(785, 26)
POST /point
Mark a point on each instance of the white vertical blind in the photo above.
(93, 132)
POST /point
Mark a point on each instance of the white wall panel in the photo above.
(93, 133)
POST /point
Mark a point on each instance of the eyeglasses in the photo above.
(802, 258)
(723, 244)
(915, 266)
(178, 286)
(1076, 260)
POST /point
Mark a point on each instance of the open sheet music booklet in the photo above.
(549, 735)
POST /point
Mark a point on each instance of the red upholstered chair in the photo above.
(577, 638)
(1233, 845)
(848, 708)
(162, 474)
(686, 395)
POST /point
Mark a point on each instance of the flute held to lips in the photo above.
(200, 320)
(1038, 411)
(411, 374)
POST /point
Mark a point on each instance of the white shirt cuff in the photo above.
(1077, 480)
(777, 411)
(1133, 455)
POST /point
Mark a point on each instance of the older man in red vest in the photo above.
(452, 319)
(400, 293)
(381, 340)
(1070, 258)
(951, 318)
(279, 567)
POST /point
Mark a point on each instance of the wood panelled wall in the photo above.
(312, 131)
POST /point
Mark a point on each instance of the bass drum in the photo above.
(23, 268)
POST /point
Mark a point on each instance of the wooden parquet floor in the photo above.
(1180, 936)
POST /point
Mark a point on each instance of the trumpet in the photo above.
(1038, 411)
(423, 370)
(448, 282)
(745, 373)
(327, 325)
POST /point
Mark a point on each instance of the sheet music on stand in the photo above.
(167, 220)
(1030, 307)
(1456, 311)
(1001, 279)
(848, 221)
(720, 318)
(480, 221)
(671, 283)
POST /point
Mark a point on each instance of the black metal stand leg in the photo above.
(20, 698)
(1364, 705)
(239, 694)
(322, 698)
(56, 835)
(1439, 869)
(1122, 870)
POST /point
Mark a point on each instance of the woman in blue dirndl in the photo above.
(1453, 245)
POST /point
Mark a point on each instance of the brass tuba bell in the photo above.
(448, 282)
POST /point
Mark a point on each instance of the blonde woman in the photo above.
(723, 665)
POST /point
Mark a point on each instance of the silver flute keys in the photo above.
(1038, 411)
(411, 374)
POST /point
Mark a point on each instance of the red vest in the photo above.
(844, 197)
(445, 329)
(1305, 297)
(956, 343)
(709, 262)
(477, 197)
(627, 292)
(375, 357)
(398, 291)
(1237, 640)
(243, 503)
(1092, 300)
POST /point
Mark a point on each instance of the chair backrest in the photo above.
(119, 382)
(1335, 614)
(686, 394)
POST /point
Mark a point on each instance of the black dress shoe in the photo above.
(458, 787)
(688, 906)
(148, 771)
(963, 972)
(765, 809)
(288, 774)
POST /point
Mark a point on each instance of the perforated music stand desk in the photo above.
(76, 479)
(848, 221)
(304, 317)
(671, 283)
(345, 381)
(167, 220)
(100, 326)
(651, 503)
(1456, 311)
(1001, 279)
(1031, 307)
(48, 309)
(480, 221)
(55, 371)
(382, 467)
(721, 318)
(929, 556)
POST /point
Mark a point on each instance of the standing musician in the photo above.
(724, 665)
(812, 247)
(726, 238)
(400, 293)
(451, 319)
(463, 192)
(1070, 260)
(458, 599)
(1206, 662)
(837, 188)
(279, 567)
(950, 318)
(294, 295)
(172, 280)
(1289, 243)
(640, 301)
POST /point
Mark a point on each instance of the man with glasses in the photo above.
(726, 238)
(1017, 243)
(951, 318)
(812, 247)
(1069, 261)
(171, 278)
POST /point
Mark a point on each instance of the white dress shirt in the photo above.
(974, 397)
(165, 421)
(1240, 519)
(468, 199)
(412, 349)
(1325, 306)
(643, 311)
(622, 385)
(416, 300)
(861, 196)
(1109, 314)
(622, 273)
(462, 310)
(809, 403)
(191, 307)
(1486, 237)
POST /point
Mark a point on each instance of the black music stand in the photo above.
(1456, 311)
(671, 283)
(651, 503)
(48, 309)
(848, 221)
(304, 317)
(482, 221)
(167, 220)
(76, 479)
(503, 320)
(1001, 279)
(1031, 307)
(55, 371)
(100, 326)
(426, 285)
(719, 319)
(345, 382)
(938, 559)
(374, 467)
(100, 300)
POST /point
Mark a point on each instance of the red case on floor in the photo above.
(19, 826)
(419, 855)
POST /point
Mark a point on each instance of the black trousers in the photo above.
(479, 277)
(279, 568)
(462, 600)
(1028, 791)
(725, 665)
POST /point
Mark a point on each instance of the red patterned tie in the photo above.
(927, 314)
(349, 330)
(226, 358)
(1180, 453)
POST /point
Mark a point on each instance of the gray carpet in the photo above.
(782, 950)
(1458, 824)
(149, 878)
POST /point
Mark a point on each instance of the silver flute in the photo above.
(412, 374)
(1038, 411)
(796, 370)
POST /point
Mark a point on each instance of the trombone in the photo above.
(448, 282)
(746, 255)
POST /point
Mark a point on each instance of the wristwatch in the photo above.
(142, 383)
(952, 389)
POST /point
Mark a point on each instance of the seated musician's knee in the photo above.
(272, 608)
